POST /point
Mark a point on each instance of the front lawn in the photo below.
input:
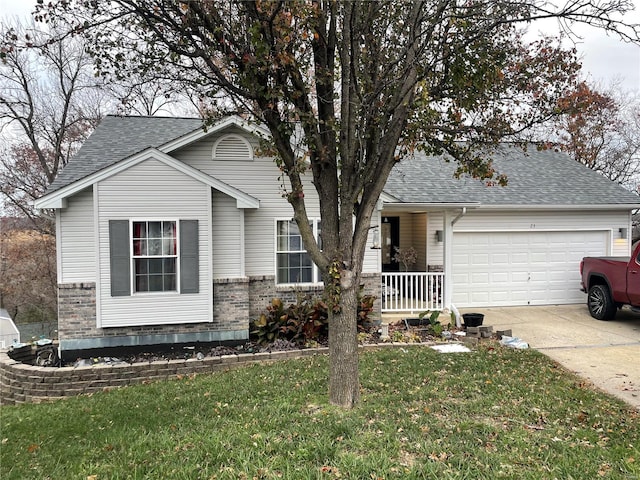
(492, 413)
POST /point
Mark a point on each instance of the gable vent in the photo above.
(232, 147)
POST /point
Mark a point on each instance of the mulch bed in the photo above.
(416, 333)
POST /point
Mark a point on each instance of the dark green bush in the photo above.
(303, 321)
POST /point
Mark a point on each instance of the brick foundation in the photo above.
(236, 302)
(76, 310)
(263, 289)
(372, 286)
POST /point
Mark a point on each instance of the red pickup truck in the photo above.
(610, 283)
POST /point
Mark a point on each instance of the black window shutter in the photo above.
(189, 257)
(119, 258)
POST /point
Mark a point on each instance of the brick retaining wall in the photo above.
(21, 383)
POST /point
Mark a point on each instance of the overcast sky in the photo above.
(605, 59)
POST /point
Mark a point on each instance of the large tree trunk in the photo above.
(344, 382)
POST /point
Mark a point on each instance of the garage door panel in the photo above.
(480, 259)
(558, 277)
(480, 278)
(461, 258)
(519, 277)
(557, 257)
(521, 268)
(519, 258)
(480, 298)
(500, 277)
(539, 257)
(500, 259)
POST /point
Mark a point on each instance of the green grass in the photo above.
(493, 413)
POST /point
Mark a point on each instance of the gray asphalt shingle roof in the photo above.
(537, 177)
(117, 138)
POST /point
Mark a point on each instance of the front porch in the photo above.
(416, 257)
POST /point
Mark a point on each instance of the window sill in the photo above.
(155, 294)
(299, 286)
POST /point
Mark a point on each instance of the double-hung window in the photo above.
(293, 263)
(155, 256)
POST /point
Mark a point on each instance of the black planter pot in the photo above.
(472, 319)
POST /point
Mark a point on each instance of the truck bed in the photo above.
(624, 260)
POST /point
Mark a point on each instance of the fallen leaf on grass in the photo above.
(533, 427)
(438, 457)
(604, 470)
(332, 470)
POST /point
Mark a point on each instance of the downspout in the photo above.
(460, 215)
(451, 305)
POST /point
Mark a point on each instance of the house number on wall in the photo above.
(533, 225)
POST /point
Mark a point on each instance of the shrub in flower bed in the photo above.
(304, 321)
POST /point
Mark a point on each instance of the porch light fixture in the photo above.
(623, 232)
(439, 236)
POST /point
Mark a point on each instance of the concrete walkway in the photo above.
(607, 353)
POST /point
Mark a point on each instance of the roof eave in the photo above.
(398, 205)
(429, 206)
(603, 206)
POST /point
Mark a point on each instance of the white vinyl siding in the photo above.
(419, 235)
(76, 237)
(524, 219)
(260, 179)
(226, 229)
(435, 249)
(405, 230)
(147, 190)
(371, 262)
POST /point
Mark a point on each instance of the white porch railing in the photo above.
(413, 292)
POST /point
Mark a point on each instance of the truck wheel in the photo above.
(600, 303)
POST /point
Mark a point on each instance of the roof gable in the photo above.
(117, 138)
(57, 198)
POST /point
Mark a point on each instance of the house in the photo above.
(168, 234)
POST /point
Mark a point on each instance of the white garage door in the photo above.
(521, 268)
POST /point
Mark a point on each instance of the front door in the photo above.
(390, 240)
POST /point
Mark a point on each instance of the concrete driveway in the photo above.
(605, 352)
